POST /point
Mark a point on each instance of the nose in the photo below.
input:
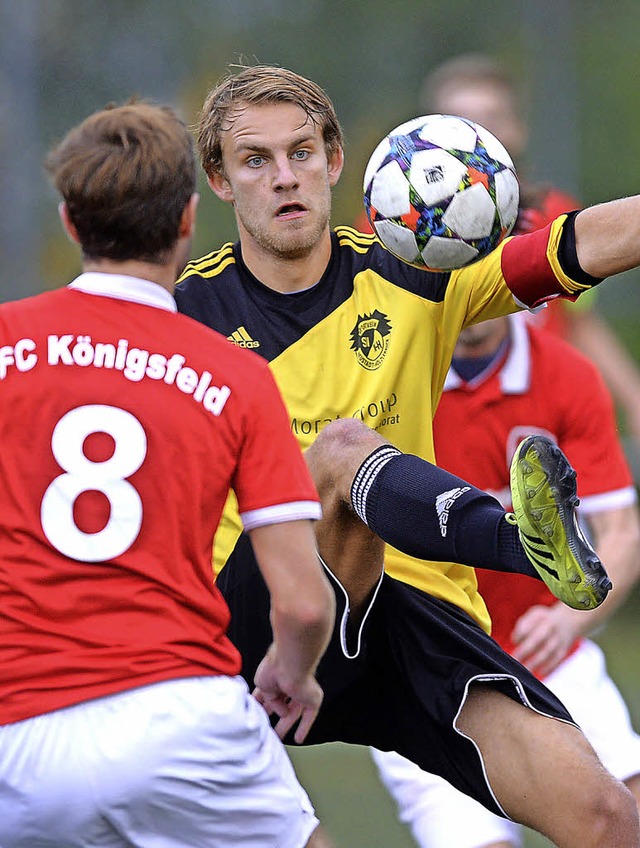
(284, 176)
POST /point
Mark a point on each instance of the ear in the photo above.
(335, 165)
(220, 185)
(188, 220)
(67, 223)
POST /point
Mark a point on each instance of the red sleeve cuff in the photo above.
(526, 268)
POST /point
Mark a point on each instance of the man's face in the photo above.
(489, 105)
(482, 339)
(278, 178)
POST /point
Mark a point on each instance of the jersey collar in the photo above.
(515, 373)
(122, 287)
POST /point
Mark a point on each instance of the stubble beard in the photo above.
(295, 242)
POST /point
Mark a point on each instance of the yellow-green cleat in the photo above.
(543, 493)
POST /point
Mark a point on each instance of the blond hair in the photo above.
(261, 84)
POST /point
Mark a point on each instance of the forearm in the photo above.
(302, 601)
(608, 237)
(592, 335)
(544, 635)
(617, 542)
(301, 638)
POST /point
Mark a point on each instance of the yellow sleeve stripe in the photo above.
(210, 265)
(569, 285)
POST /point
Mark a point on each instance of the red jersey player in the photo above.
(481, 88)
(508, 380)
(123, 719)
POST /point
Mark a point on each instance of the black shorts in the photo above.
(403, 689)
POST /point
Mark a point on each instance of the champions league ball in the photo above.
(440, 192)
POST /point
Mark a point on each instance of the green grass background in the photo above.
(355, 809)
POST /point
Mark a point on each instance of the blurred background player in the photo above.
(479, 87)
(123, 719)
(507, 380)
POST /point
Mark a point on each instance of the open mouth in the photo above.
(290, 209)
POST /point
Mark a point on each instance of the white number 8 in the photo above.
(83, 475)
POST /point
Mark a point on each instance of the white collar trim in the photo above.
(123, 287)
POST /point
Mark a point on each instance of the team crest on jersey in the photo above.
(370, 339)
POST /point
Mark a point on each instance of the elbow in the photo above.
(310, 611)
(317, 611)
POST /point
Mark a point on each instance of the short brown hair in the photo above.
(126, 174)
(467, 69)
(261, 84)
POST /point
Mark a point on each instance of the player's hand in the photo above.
(543, 637)
(293, 703)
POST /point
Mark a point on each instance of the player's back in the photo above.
(114, 414)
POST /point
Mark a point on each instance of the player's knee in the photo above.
(611, 817)
(347, 434)
(339, 450)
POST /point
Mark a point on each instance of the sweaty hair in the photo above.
(126, 174)
(261, 84)
(466, 69)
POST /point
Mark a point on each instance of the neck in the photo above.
(164, 275)
(286, 273)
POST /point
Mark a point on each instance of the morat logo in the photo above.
(370, 339)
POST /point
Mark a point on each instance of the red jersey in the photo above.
(123, 427)
(541, 385)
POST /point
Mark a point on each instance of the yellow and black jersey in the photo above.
(373, 339)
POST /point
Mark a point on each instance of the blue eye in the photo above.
(301, 154)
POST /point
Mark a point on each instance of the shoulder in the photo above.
(557, 359)
(205, 282)
(364, 252)
(209, 266)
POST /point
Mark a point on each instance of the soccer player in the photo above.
(123, 718)
(481, 88)
(508, 380)
(360, 345)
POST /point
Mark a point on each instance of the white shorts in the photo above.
(188, 762)
(441, 817)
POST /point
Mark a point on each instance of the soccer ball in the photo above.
(440, 192)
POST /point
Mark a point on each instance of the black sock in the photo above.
(429, 513)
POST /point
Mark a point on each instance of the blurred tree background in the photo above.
(578, 60)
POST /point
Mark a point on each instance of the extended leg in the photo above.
(430, 514)
(545, 774)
